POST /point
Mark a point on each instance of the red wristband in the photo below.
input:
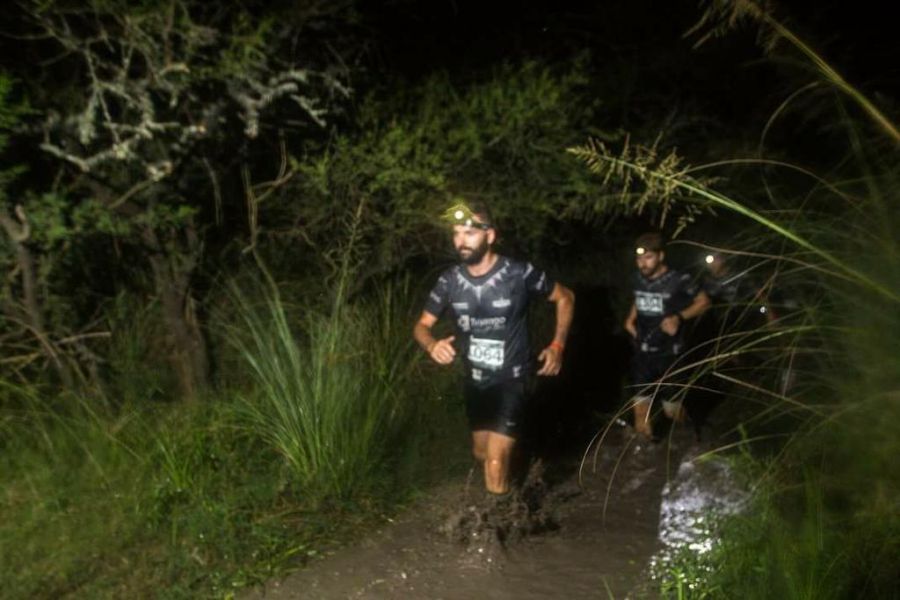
(554, 344)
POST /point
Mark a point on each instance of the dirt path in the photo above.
(555, 542)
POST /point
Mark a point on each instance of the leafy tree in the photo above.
(154, 106)
(501, 139)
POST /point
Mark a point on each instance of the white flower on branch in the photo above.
(160, 170)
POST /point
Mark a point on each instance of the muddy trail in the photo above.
(568, 532)
(557, 537)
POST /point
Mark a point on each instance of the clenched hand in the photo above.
(442, 351)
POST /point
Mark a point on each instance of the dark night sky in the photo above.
(416, 36)
(405, 40)
(642, 67)
(640, 39)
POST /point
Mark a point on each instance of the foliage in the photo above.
(139, 101)
(142, 498)
(722, 16)
(134, 369)
(498, 139)
(145, 69)
(331, 403)
(646, 178)
(823, 525)
(10, 114)
(98, 503)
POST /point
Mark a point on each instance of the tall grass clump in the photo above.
(823, 522)
(329, 393)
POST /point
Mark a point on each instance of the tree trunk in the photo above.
(172, 270)
(29, 309)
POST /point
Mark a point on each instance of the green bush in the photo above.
(329, 398)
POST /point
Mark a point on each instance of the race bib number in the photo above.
(648, 303)
(487, 354)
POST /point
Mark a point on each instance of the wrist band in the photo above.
(554, 344)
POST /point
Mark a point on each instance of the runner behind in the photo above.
(663, 300)
(737, 299)
(741, 306)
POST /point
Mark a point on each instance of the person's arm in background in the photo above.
(630, 323)
(671, 324)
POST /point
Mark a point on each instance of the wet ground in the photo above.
(555, 538)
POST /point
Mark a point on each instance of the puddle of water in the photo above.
(692, 504)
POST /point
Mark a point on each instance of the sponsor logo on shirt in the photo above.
(488, 324)
(461, 305)
(463, 322)
(501, 303)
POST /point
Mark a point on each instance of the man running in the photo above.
(489, 295)
(737, 299)
(663, 300)
(741, 306)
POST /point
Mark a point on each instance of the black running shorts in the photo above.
(649, 368)
(499, 407)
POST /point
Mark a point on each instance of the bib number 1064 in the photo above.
(486, 353)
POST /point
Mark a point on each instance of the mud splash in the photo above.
(498, 522)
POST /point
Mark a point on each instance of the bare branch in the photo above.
(18, 231)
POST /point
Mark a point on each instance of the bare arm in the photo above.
(698, 306)
(551, 356)
(440, 351)
(631, 321)
(672, 323)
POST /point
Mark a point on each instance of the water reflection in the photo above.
(693, 503)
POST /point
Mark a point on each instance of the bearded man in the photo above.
(663, 300)
(488, 295)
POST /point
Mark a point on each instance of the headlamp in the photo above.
(460, 214)
(710, 259)
(640, 250)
